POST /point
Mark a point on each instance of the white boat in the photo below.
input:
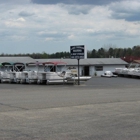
(132, 71)
(0, 75)
(108, 74)
(33, 73)
(30, 75)
(41, 77)
(118, 70)
(23, 76)
(12, 77)
(7, 67)
(136, 72)
(56, 72)
(81, 78)
(18, 68)
(36, 72)
(0, 72)
(5, 76)
(11, 72)
(121, 71)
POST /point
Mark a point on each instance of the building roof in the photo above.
(16, 59)
(54, 63)
(89, 61)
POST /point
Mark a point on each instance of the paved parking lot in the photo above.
(101, 108)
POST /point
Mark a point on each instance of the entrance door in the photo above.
(86, 71)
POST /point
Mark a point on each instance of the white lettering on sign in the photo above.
(77, 47)
(80, 53)
(77, 50)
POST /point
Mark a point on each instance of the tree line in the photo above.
(128, 54)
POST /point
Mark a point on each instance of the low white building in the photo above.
(91, 66)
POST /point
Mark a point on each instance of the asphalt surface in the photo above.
(99, 109)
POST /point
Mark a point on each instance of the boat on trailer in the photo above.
(56, 73)
(15, 73)
(39, 72)
(0, 72)
(30, 75)
(6, 67)
(23, 76)
(132, 71)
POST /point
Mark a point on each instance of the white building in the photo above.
(87, 67)
(90, 66)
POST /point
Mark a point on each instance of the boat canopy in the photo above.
(7, 63)
(18, 63)
(55, 63)
(34, 63)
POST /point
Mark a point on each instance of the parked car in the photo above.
(108, 74)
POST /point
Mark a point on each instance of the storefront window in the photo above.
(98, 68)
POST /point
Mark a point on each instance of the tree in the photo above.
(111, 52)
(93, 53)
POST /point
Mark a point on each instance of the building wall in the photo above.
(105, 68)
(92, 69)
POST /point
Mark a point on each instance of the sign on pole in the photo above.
(78, 52)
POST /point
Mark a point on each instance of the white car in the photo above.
(108, 74)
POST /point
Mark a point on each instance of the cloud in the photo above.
(25, 14)
(4, 33)
(49, 39)
(49, 36)
(77, 9)
(14, 1)
(71, 37)
(87, 2)
(21, 19)
(9, 35)
(127, 16)
(49, 26)
(15, 23)
(128, 10)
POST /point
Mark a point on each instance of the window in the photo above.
(98, 68)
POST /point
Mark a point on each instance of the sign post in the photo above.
(77, 52)
(78, 72)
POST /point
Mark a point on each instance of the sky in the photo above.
(37, 26)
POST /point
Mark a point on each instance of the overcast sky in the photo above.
(36, 26)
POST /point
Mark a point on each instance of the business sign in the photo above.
(77, 52)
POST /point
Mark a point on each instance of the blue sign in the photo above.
(77, 52)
